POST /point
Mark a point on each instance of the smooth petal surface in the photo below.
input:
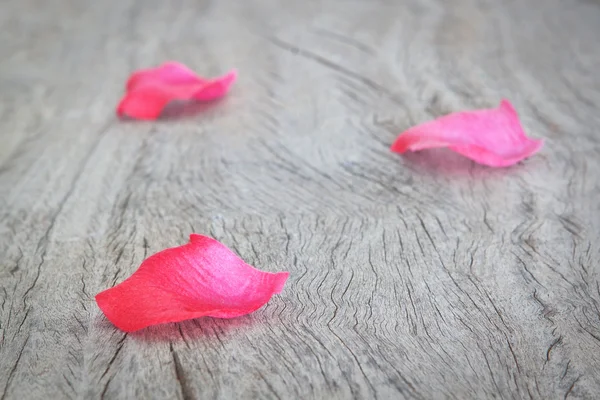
(200, 278)
(492, 137)
(171, 72)
(148, 91)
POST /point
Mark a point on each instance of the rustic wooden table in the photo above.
(420, 276)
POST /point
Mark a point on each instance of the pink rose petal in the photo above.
(200, 278)
(492, 137)
(148, 91)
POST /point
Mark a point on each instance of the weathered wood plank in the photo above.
(424, 276)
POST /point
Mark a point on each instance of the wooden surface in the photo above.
(423, 276)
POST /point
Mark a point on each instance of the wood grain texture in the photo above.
(422, 276)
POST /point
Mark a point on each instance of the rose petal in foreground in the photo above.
(148, 91)
(492, 137)
(200, 278)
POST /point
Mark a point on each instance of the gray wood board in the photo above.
(419, 276)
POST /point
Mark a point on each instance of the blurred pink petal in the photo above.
(148, 91)
(492, 137)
